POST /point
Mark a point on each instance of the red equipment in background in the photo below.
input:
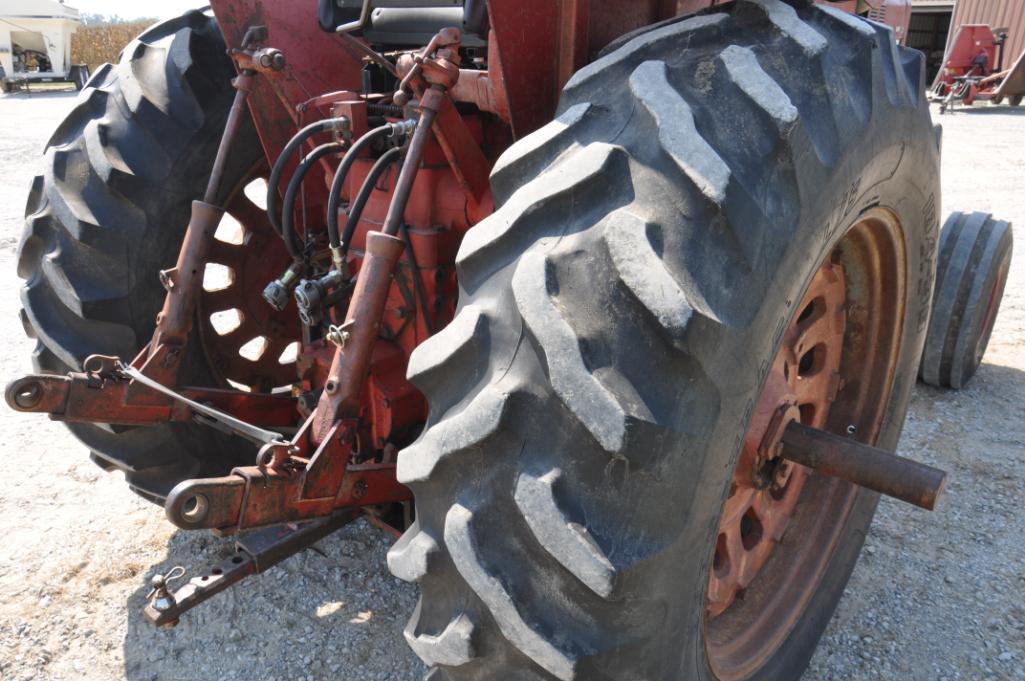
(973, 69)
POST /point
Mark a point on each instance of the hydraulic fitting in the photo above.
(339, 261)
(277, 292)
(311, 295)
(343, 129)
(403, 128)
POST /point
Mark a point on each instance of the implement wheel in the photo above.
(974, 260)
(110, 212)
(710, 240)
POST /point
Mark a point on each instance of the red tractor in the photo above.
(629, 296)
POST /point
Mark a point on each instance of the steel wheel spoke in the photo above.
(219, 300)
(275, 346)
(259, 259)
(249, 215)
(229, 255)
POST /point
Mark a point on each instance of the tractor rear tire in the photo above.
(1014, 100)
(974, 260)
(110, 211)
(618, 316)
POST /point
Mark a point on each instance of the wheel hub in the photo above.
(769, 469)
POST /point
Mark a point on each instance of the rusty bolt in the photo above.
(270, 58)
(781, 474)
(308, 401)
(359, 490)
(771, 443)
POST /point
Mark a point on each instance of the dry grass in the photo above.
(101, 43)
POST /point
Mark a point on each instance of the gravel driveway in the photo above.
(934, 596)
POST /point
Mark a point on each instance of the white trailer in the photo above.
(35, 43)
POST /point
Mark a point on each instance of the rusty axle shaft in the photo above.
(876, 469)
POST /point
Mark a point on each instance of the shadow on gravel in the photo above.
(332, 612)
(976, 434)
(991, 380)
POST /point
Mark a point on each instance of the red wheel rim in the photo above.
(834, 370)
(992, 304)
(246, 255)
(801, 385)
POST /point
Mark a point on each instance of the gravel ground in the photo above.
(934, 596)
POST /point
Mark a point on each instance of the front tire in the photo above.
(618, 316)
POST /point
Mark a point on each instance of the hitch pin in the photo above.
(160, 597)
(268, 438)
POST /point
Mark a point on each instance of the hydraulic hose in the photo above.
(356, 209)
(287, 153)
(288, 207)
(335, 198)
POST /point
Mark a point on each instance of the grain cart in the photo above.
(629, 296)
(35, 44)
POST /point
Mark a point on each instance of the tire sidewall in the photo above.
(994, 269)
